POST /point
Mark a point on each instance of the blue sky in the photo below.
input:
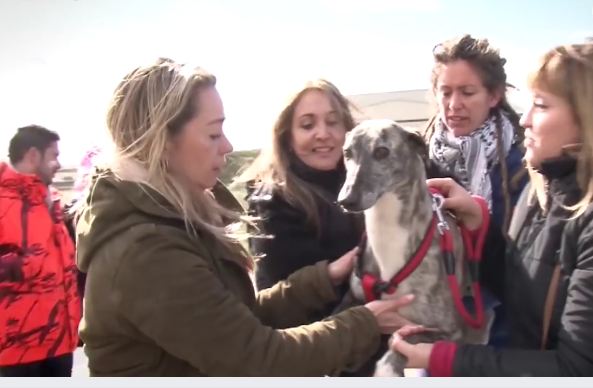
(61, 59)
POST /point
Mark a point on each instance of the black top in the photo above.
(519, 272)
(292, 242)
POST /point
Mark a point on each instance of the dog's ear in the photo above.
(416, 141)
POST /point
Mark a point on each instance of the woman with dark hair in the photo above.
(476, 133)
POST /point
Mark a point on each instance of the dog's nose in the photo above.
(348, 203)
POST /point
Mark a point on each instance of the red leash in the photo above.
(374, 286)
(474, 244)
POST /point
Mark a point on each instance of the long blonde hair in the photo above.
(272, 166)
(567, 72)
(149, 107)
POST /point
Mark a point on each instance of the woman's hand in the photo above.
(386, 313)
(340, 269)
(459, 201)
(418, 355)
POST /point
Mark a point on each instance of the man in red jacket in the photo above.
(39, 302)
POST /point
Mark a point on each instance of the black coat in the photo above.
(287, 241)
(294, 242)
(519, 272)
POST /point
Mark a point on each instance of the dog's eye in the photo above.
(380, 153)
(347, 153)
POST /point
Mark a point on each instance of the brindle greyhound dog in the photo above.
(386, 180)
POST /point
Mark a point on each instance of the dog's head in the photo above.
(380, 157)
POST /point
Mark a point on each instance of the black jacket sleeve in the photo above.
(493, 264)
(285, 241)
(573, 355)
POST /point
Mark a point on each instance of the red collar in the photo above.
(373, 286)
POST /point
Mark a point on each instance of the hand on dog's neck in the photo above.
(396, 228)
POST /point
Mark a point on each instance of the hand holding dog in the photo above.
(418, 355)
(385, 311)
(340, 269)
(459, 201)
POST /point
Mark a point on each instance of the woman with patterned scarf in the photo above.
(476, 134)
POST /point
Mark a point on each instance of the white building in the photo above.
(411, 108)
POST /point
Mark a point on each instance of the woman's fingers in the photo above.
(342, 267)
(442, 184)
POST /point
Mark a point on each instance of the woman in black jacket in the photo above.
(293, 187)
(543, 271)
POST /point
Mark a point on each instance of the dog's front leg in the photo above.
(392, 364)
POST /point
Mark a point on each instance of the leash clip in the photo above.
(437, 208)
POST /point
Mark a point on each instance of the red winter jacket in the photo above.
(39, 302)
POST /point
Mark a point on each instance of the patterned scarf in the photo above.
(471, 158)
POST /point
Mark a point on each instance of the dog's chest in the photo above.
(386, 236)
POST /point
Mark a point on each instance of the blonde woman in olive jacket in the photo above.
(168, 289)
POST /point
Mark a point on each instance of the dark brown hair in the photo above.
(489, 65)
(31, 136)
